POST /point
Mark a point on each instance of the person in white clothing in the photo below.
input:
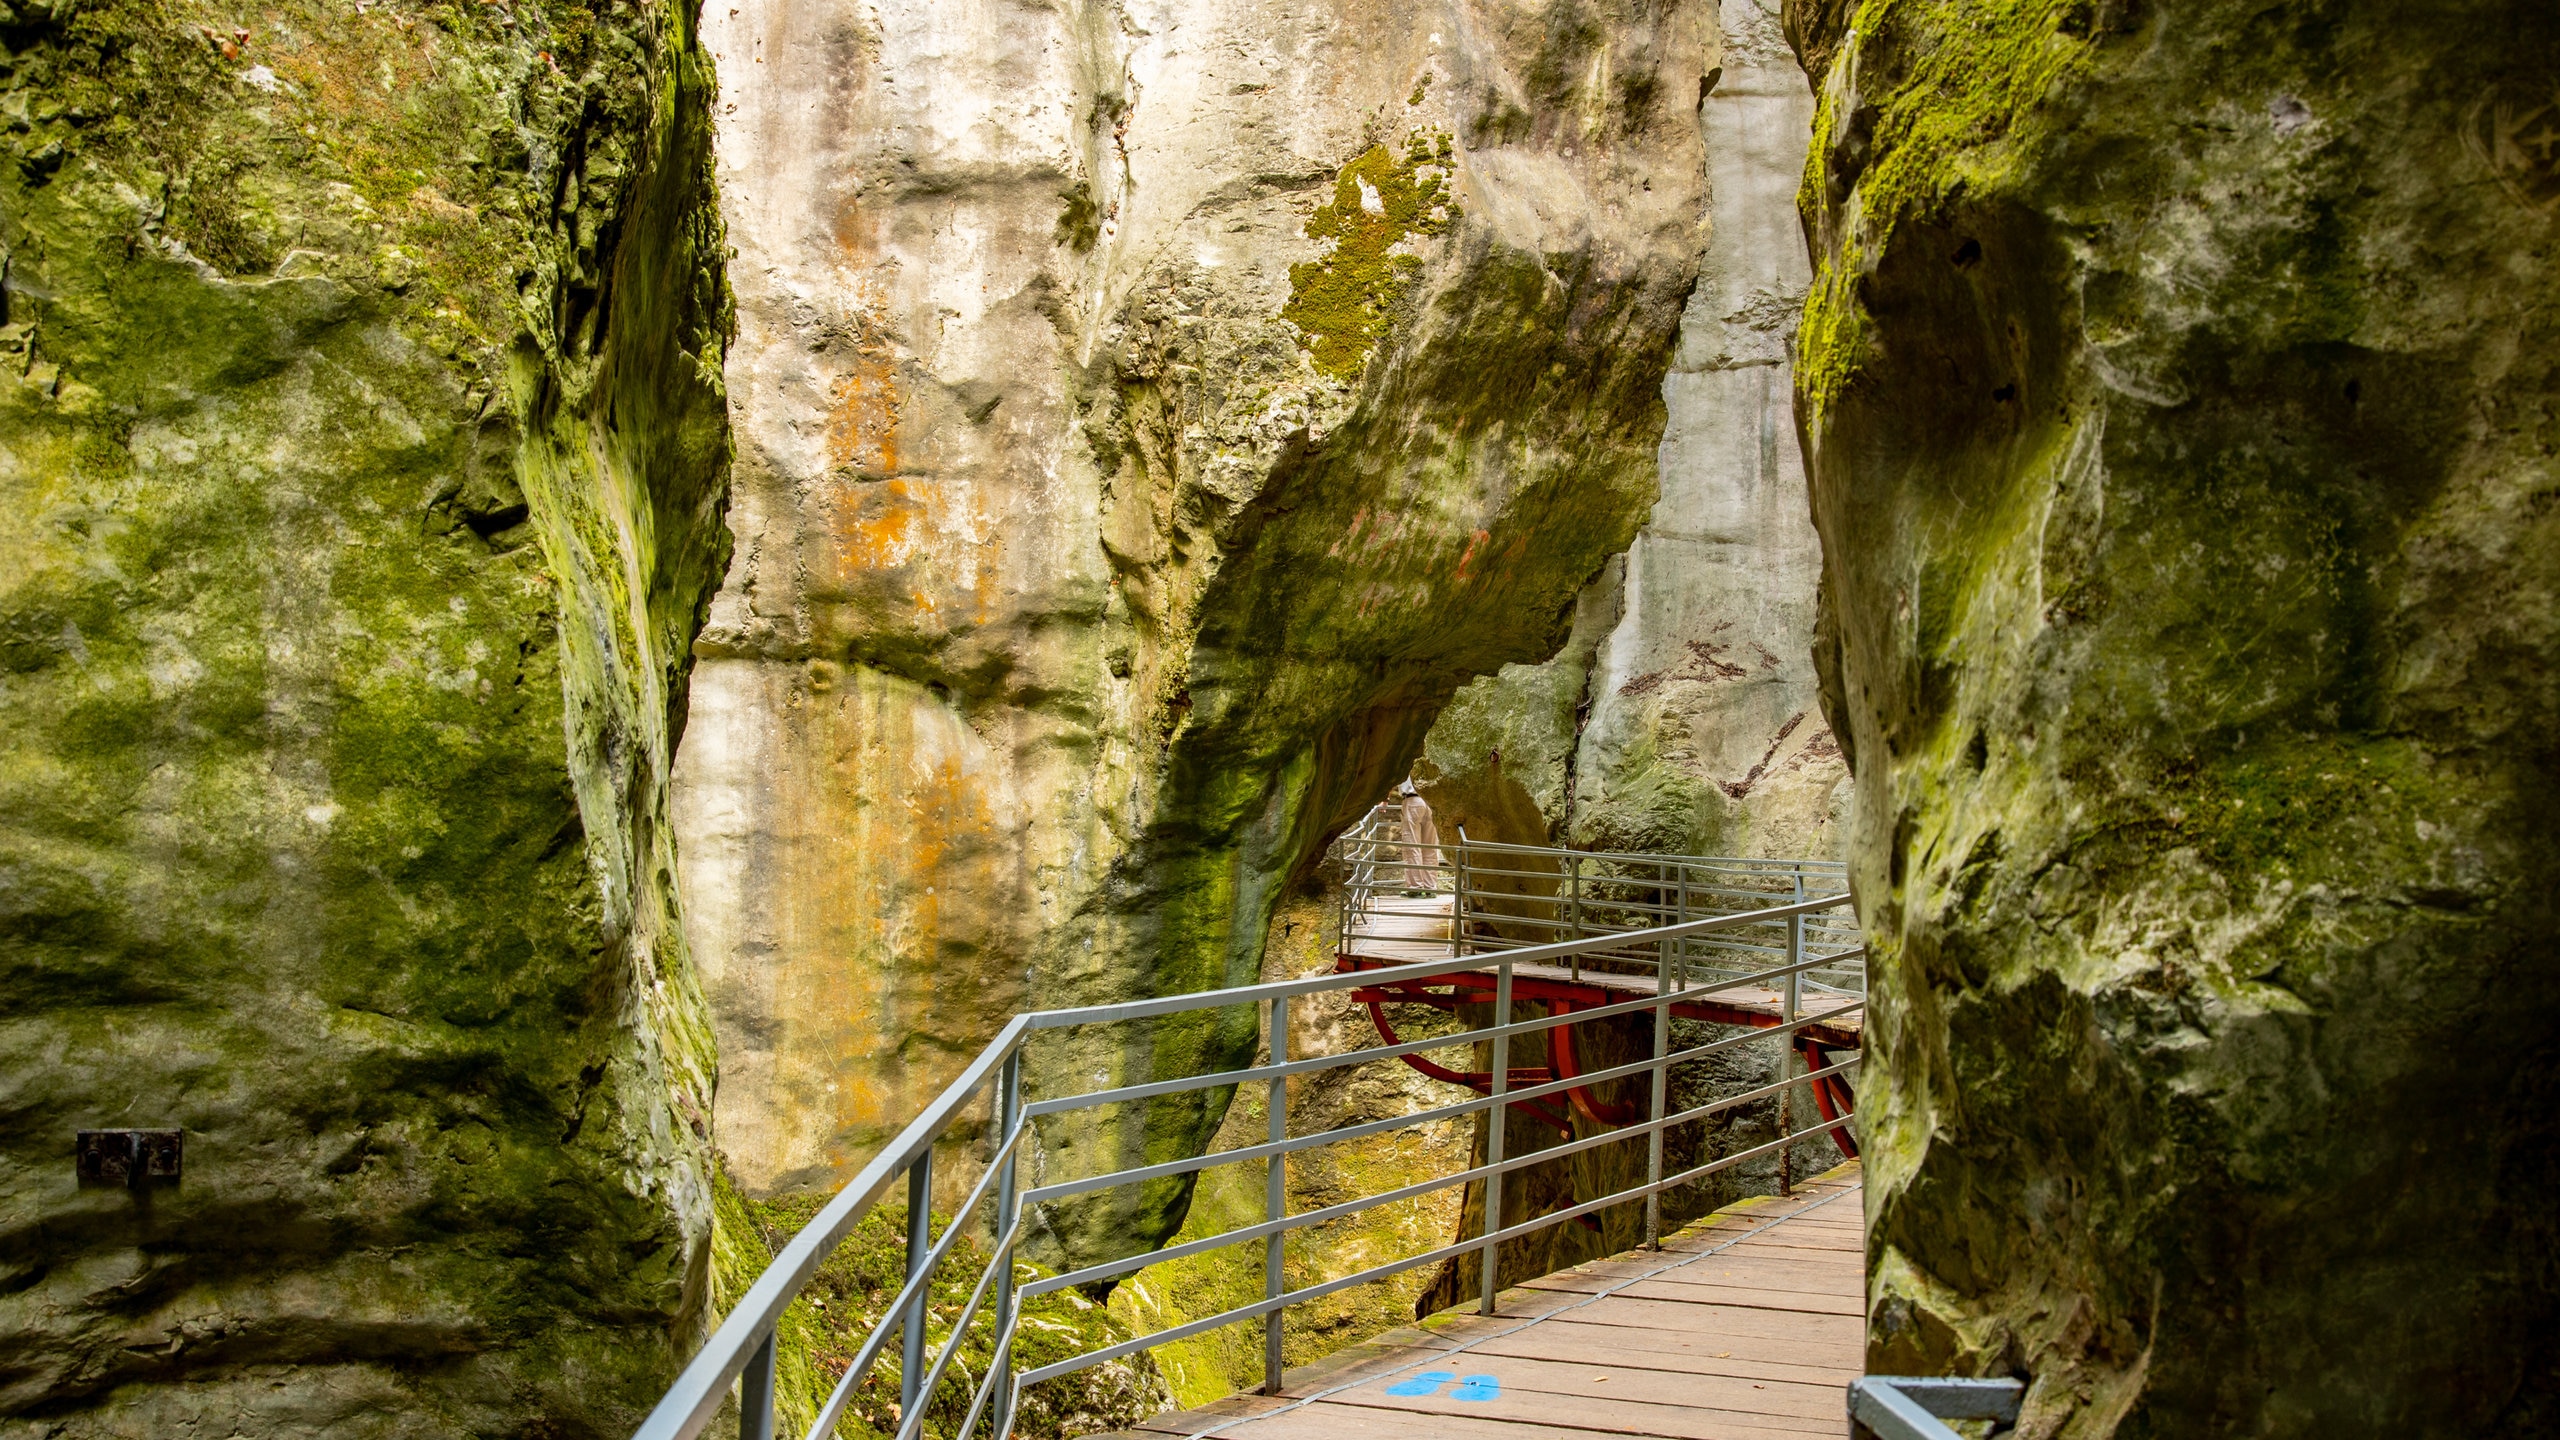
(1421, 843)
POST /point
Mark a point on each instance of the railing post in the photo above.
(755, 1394)
(1661, 1085)
(1573, 921)
(1008, 1115)
(1788, 1008)
(1275, 1201)
(919, 1240)
(1497, 1123)
(1681, 972)
(1458, 896)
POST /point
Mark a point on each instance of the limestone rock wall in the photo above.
(361, 452)
(1148, 414)
(2177, 385)
(1682, 714)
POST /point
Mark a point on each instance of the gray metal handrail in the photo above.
(1559, 893)
(1913, 1407)
(742, 1350)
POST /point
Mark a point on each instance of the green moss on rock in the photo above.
(1967, 97)
(358, 520)
(1346, 300)
(2180, 447)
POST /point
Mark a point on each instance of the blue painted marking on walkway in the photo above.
(1422, 1384)
(1477, 1387)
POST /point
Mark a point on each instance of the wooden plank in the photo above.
(1775, 1259)
(1841, 1213)
(1783, 1231)
(1770, 1268)
(1852, 1228)
(1746, 1357)
(1847, 1285)
(1813, 1250)
(1819, 1187)
(1618, 1417)
(1839, 1209)
(1183, 1422)
(1766, 1272)
(1843, 1295)
(1844, 1208)
(1807, 1238)
(1628, 1312)
(1811, 1243)
(1328, 1420)
(1612, 1384)
(1816, 1334)
(1813, 1303)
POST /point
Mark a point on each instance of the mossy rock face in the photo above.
(361, 455)
(1346, 300)
(2176, 389)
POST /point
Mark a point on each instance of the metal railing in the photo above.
(1913, 1407)
(1502, 896)
(743, 1350)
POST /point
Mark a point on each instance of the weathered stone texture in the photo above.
(361, 450)
(1148, 414)
(1682, 716)
(1679, 715)
(2177, 384)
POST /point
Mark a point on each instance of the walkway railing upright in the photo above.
(1768, 924)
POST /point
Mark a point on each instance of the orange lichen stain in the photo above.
(897, 896)
(880, 527)
(855, 231)
(935, 540)
(862, 418)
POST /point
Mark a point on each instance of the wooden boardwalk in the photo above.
(1746, 1326)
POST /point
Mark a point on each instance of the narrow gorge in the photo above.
(596, 594)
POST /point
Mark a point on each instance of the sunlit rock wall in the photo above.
(2178, 389)
(1682, 716)
(361, 449)
(1147, 414)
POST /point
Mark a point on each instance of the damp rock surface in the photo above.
(2176, 389)
(361, 453)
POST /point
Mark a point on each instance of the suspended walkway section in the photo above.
(1734, 1326)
